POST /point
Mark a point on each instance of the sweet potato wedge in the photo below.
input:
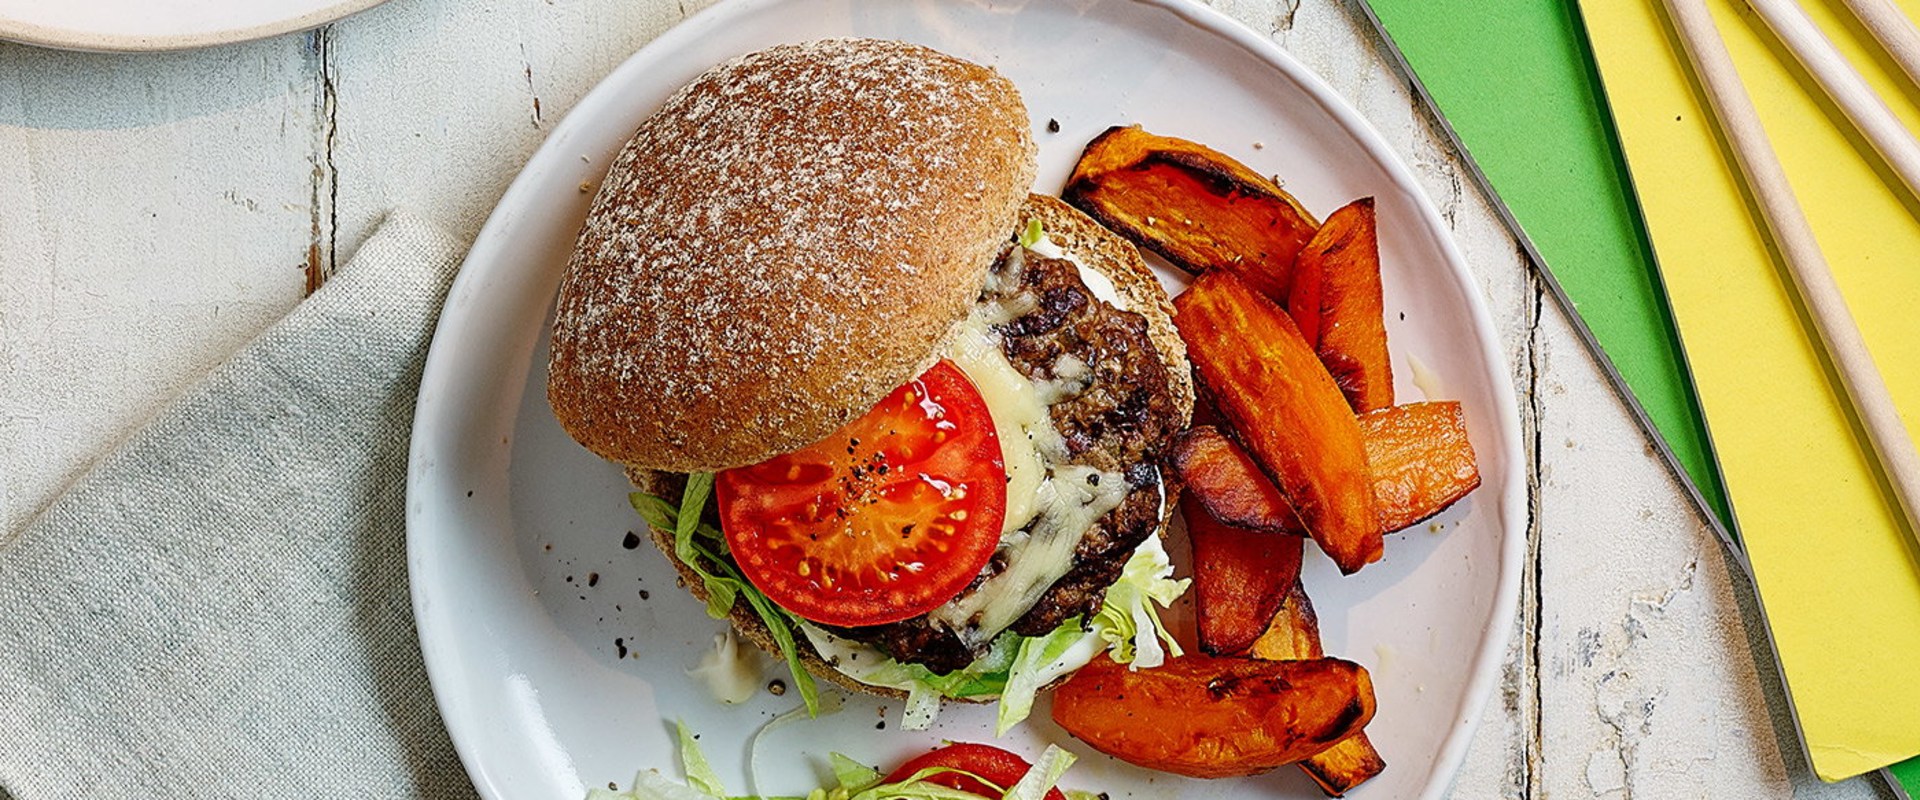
(1287, 411)
(1228, 483)
(1240, 578)
(1348, 763)
(1421, 460)
(1334, 297)
(1295, 634)
(1209, 717)
(1191, 204)
(1306, 290)
(1418, 453)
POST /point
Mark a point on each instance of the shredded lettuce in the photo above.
(693, 501)
(1128, 621)
(1044, 774)
(1128, 626)
(700, 774)
(918, 787)
(1015, 667)
(1029, 672)
(651, 785)
(855, 781)
(985, 677)
(657, 512)
(923, 705)
(851, 773)
(829, 704)
(1032, 234)
(725, 588)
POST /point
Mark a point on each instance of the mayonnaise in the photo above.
(731, 673)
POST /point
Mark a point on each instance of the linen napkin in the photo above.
(219, 608)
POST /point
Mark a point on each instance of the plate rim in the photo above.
(1485, 671)
(22, 31)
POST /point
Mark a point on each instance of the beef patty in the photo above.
(1117, 422)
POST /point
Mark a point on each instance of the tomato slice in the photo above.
(992, 763)
(884, 520)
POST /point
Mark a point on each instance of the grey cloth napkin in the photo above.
(219, 608)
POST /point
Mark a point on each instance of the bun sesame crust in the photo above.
(783, 243)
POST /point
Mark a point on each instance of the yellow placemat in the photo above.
(1837, 575)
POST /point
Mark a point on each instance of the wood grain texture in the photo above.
(157, 211)
(1845, 85)
(154, 216)
(1893, 31)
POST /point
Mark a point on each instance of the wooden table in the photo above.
(158, 210)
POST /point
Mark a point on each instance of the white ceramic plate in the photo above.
(526, 599)
(135, 25)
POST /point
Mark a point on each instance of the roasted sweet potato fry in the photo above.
(1418, 453)
(1227, 481)
(1191, 204)
(1293, 631)
(1335, 299)
(1240, 578)
(1295, 634)
(1212, 717)
(1306, 287)
(1348, 763)
(1287, 411)
(1421, 459)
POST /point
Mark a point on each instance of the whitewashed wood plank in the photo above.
(155, 214)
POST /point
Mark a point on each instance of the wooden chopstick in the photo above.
(1893, 30)
(1849, 91)
(1838, 333)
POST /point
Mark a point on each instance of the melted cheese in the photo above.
(1018, 410)
(1050, 503)
(1070, 500)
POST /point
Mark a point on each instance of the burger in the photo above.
(895, 418)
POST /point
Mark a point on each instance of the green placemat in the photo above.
(1516, 83)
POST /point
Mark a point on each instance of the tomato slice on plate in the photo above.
(988, 762)
(886, 519)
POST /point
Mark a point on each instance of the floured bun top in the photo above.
(779, 246)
